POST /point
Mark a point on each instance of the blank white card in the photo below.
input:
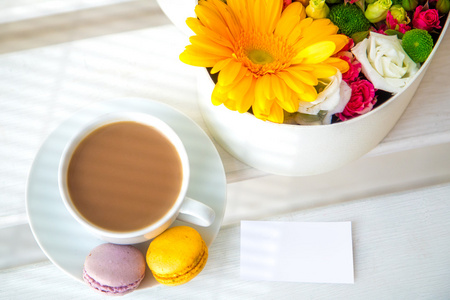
(297, 251)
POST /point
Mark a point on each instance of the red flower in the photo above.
(381, 30)
(361, 101)
(286, 3)
(354, 65)
(426, 19)
(349, 45)
(353, 71)
(392, 23)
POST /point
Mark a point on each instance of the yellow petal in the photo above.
(294, 84)
(316, 53)
(217, 96)
(210, 46)
(199, 29)
(197, 51)
(289, 103)
(247, 101)
(323, 70)
(306, 97)
(313, 33)
(266, 83)
(194, 24)
(230, 104)
(220, 65)
(276, 114)
(261, 108)
(280, 89)
(295, 35)
(261, 86)
(291, 15)
(211, 19)
(240, 10)
(254, 9)
(305, 23)
(342, 65)
(198, 58)
(309, 95)
(284, 95)
(230, 20)
(273, 14)
(306, 68)
(339, 40)
(241, 88)
(306, 91)
(305, 77)
(230, 72)
(321, 23)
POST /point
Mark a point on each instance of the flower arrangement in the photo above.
(311, 61)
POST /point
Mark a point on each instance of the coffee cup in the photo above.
(125, 176)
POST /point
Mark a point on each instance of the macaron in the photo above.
(177, 255)
(114, 269)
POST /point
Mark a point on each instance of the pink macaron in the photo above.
(114, 269)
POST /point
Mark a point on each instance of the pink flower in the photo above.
(392, 23)
(425, 19)
(353, 71)
(361, 101)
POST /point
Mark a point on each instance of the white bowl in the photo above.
(178, 11)
(295, 150)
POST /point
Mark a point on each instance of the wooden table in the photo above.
(400, 246)
(396, 196)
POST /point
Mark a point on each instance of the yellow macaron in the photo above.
(177, 255)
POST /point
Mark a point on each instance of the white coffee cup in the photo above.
(184, 209)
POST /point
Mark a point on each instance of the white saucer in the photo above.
(65, 242)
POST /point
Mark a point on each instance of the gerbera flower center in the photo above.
(260, 57)
(263, 53)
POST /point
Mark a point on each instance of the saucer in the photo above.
(65, 242)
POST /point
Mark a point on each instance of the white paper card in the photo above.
(297, 251)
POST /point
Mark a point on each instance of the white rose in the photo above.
(331, 100)
(384, 62)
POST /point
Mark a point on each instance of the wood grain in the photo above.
(400, 246)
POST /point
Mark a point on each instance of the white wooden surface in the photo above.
(17, 10)
(400, 246)
(51, 67)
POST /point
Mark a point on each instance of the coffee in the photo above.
(124, 176)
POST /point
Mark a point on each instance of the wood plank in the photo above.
(400, 244)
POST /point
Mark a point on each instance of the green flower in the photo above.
(399, 13)
(378, 10)
(317, 9)
(349, 18)
(418, 44)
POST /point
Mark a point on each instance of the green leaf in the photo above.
(394, 32)
(359, 36)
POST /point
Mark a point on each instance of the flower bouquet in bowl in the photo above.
(305, 87)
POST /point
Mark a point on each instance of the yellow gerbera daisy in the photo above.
(267, 59)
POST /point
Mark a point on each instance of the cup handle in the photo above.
(195, 212)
